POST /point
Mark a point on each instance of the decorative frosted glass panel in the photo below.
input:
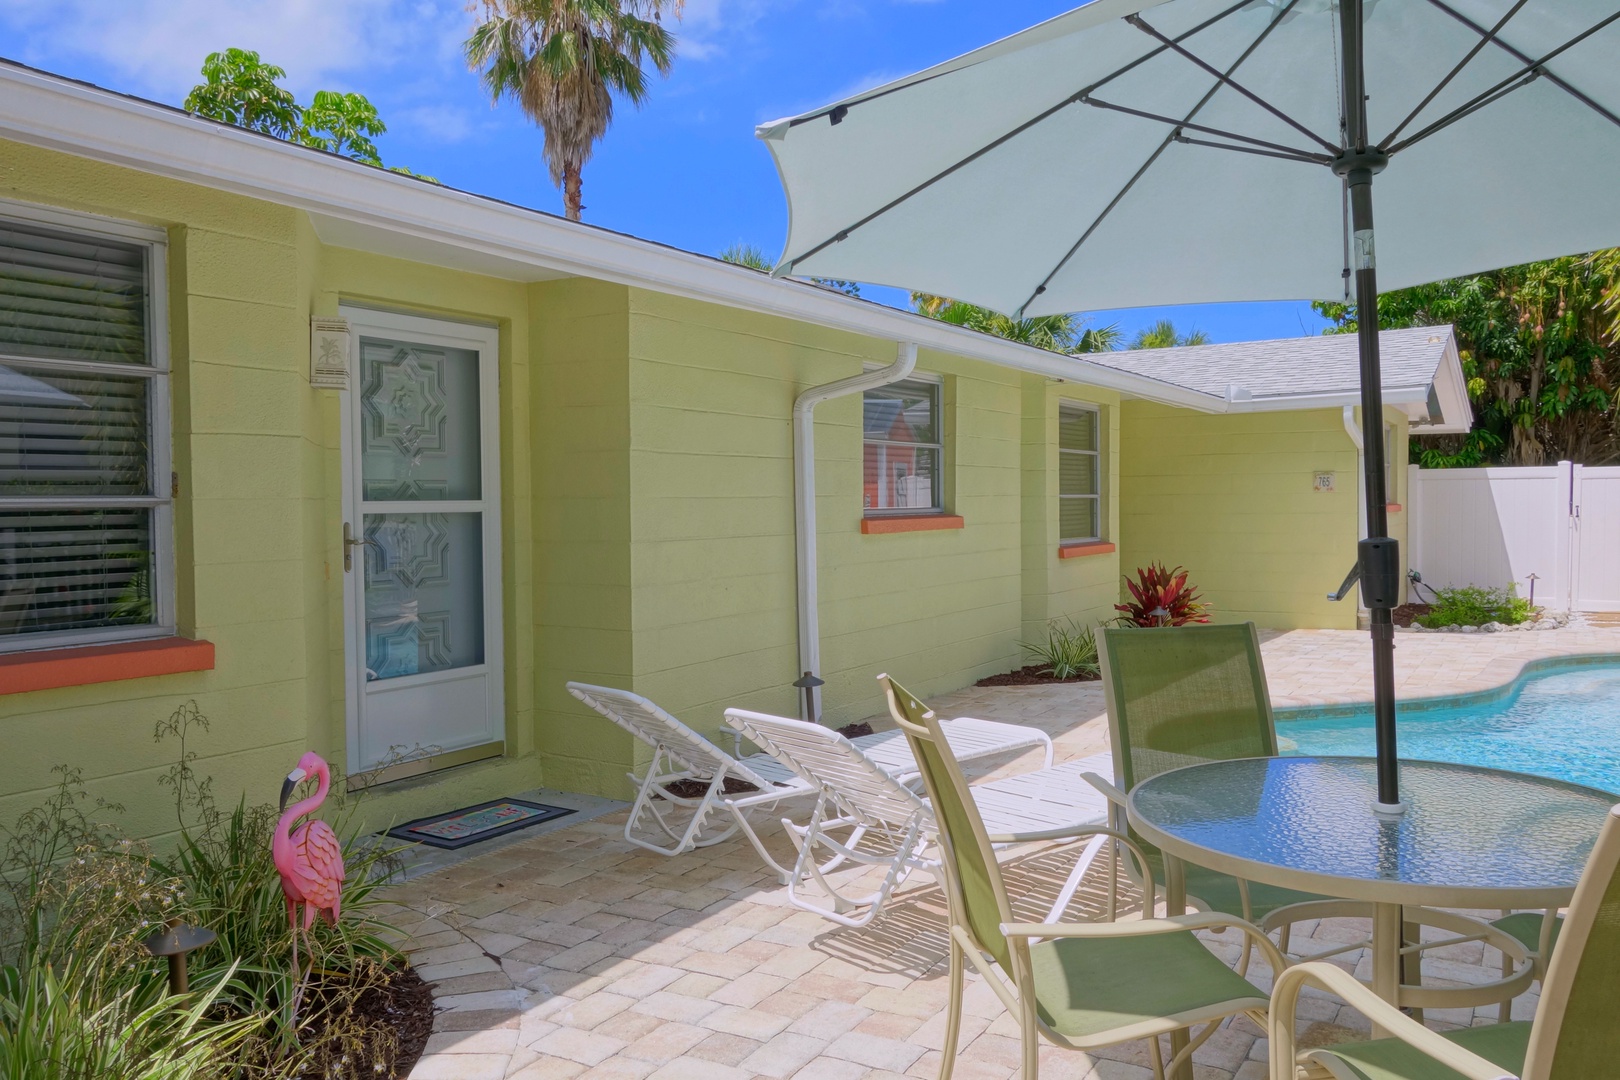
(424, 593)
(71, 296)
(902, 454)
(63, 569)
(419, 422)
(72, 433)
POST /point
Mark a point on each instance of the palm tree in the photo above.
(563, 61)
(1164, 335)
(1056, 333)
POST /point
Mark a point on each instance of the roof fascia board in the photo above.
(85, 121)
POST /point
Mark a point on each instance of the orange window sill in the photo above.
(914, 523)
(1080, 551)
(49, 669)
(1393, 508)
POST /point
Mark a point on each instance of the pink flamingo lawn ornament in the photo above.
(309, 858)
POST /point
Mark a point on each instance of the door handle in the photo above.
(350, 543)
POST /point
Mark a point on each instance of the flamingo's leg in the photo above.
(297, 977)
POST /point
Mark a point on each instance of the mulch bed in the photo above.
(396, 1014)
(1404, 614)
(1030, 675)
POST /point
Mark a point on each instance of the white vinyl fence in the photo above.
(1493, 527)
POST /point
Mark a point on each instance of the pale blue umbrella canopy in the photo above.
(1129, 154)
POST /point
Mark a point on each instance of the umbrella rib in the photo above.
(1578, 95)
(1143, 25)
(1309, 159)
(1148, 164)
(1489, 98)
(1279, 149)
(1485, 39)
(843, 234)
(1531, 71)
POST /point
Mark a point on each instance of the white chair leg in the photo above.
(953, 1012)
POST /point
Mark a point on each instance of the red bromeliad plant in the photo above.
(1162, 598)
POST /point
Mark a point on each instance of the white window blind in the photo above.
(1079, 474)
(84, 492)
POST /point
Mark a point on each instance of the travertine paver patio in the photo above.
(574, 954)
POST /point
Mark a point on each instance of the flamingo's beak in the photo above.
(294, 778)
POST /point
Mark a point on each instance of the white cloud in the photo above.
(157, 46)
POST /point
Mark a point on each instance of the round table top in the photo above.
(1470, 837)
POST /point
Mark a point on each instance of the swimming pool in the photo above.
(1563, 722)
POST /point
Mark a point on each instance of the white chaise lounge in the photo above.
(758, 781)
(856, 793)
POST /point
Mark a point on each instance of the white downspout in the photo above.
(804, 498)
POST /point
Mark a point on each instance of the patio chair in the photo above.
(1081, 986)
(1573, 1036)
(891, 826)
(737, 784)
(1179, 696)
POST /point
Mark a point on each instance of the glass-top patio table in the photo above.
(1471, 837)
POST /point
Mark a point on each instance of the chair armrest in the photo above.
(1175, 924)
(1110, 792)
(1335, 980)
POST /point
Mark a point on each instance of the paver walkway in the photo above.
(574, 954)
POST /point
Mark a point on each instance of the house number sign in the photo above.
(329, 353)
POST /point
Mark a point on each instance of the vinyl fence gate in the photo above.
(1493, 527)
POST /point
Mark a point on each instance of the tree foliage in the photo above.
(1056, 333)
(754, 257)
(1540, 348)
(239, 88)
(1164, 335)
(563, 61)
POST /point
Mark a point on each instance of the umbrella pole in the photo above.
(1378, 556)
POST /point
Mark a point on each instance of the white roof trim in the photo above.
(456, 229)
(49, 111)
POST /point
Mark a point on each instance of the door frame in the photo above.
(484, 339)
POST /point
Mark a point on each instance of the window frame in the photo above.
(936, 391)
(1096, 466)
(157, 372)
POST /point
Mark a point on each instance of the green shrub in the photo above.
(76, 898)
(1471, 605)
(1069, 650)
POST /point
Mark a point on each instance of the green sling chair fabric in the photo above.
(1081, 987)
(1180, 696)
(1588, 1032)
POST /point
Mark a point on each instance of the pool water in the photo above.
(1563, 724)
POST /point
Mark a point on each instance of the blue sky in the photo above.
(684, 170)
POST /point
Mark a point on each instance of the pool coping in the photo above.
(1530, 669)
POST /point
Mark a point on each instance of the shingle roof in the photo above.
(1289, 367)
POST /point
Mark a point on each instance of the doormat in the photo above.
(473, 824)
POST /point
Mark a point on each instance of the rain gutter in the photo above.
(804, 501)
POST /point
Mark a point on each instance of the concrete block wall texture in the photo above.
(1231, 498)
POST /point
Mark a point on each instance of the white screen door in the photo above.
(422, 578)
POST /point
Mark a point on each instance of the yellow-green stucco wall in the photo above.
(1232, 498)
(647, 522)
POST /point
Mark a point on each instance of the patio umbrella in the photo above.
(1130, 153)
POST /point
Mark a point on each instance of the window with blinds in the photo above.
(1079, 473)
(84, 497)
